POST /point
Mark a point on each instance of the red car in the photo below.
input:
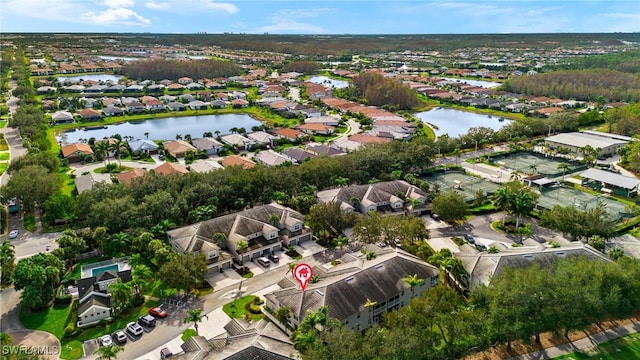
(158, 311)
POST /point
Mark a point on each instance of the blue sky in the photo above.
(319, 17)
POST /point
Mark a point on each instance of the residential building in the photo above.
(94, 302)
(271, 158)
(90, 115)
(266, 229)
(62, 117)
(345, 289)
(170, 169)
(143, 146)
(210, 145)
(237, 140)
(85, 182)
(76, 152)
(126, 177)
(177, 148)
(235, 160)
(389, 198)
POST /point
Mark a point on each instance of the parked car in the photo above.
(120, 337)
(481, 247)
(264, 261)
(106, 340)
(470, 238)
(13, 234)
(134, 329)
(165, 353)
(147, 320)
(158, 311)
(435, 216)
(274, 258)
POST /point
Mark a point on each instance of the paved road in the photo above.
(10, 310)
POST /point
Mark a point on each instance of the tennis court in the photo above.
(565, 196)
(466, 184)
(529, 163)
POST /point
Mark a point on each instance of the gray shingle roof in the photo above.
(581, 140)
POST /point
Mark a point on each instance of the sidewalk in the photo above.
(582, 344)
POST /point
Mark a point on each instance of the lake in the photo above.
(165, 128)
(327, 81)
(457, 122)
(95, 77)
(480, 83)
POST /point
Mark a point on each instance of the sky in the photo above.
(320, 17)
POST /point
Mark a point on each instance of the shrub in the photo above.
(69, 331)
(253, 308)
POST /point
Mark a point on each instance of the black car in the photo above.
(435, 216)
(470, 238)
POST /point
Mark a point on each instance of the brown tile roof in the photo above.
(71, 149)
(90, 113)
(368, 139)
(289, 133)
(315, 127)
(170, 168)
(235, 160)
(127, 176)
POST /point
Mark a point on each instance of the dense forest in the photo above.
(590, 84)
(338, 46)
(175, 69)
(627, 61)
(374, 89)
(304, 67)
(519, 304)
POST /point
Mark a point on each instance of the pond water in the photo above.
(480, 83)
(457, 122)
(327, 81)
(165, 128)
(95, 77)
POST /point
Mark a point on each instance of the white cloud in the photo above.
(119, 16)
(292, 27)
(184, 6)
(156, 5)
(117, 4)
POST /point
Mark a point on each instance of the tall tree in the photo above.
(195, 316)
(108, 352)
(7, 263)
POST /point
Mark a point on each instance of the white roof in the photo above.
(610, 178)
(581, 140)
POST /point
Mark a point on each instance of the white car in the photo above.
(134, 329)
(13, 234)
(106, 340)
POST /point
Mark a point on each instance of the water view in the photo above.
(457, 122)
(94, 77)
(327, 81)
(480, 83)
(164, 129)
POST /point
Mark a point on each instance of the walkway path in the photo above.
(582, 344)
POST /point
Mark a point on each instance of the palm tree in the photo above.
(533, 168)
(7, 262)
(565, 167)
(146, 134)
(341, 240)
(241, 246)
(119, 242)
(413, 281)
(369, 304)
(116, 148)
(457, 153)
(108, 352)
(516, 175)
(291, 266)
(282, 314)
(121, 293)
(195, 316)
(522, 205)
(103, 148)
(274, 220)
(501, 200)
(219, 238)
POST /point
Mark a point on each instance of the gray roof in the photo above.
(86, 182)
(484, 266)
(611, 178)
(245, 222)
(345, 294)
(371, 193)
(143, 144)
(581, 140)
(205, 143)
(298, 154)
(94, 300)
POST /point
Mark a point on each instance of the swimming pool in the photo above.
(99, 270)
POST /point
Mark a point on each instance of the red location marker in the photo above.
(303, 273)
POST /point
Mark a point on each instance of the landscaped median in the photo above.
(58, 318)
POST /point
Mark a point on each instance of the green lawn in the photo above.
(52, 320)
(188, 334)
(624, 348)
(237, 308)
(3, 167)
(4, 156)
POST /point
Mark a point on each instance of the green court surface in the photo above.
(466, 184)
(529, 163)
(565, 196)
